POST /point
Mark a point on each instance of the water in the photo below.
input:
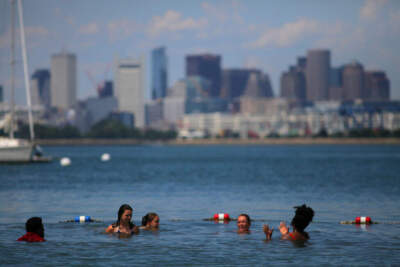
(185, 184)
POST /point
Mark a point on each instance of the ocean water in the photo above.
(186, 184)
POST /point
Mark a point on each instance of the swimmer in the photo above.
(34, 230)
(243, 224)
(150, 221)
(123, 225)
(300, 221)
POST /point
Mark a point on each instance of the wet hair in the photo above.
(302, 218)
(34, 225)
(148, 218)
(121, 211)
(247, 217)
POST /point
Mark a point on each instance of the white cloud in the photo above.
(172, 21)
(89, 29)
(371, 9)
(286, 35)
(215, 11)
(120, 29)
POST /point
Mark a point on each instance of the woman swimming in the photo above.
(243, 224)
(150, 221)
(123, 225)
(300, 221)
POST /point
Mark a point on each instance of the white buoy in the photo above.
(65, 161)
(105, 157)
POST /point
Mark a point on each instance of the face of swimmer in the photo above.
(243, 224)
(126, 216)
(154, 224)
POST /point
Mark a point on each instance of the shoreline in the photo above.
(222, 141)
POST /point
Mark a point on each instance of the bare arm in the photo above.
(268, 231)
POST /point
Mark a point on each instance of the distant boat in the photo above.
(13, 149)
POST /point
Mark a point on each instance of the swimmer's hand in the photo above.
(268, 231)
(283, 228)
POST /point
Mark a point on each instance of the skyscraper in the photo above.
(40, 88)
(159, 73)
(206, 66)
(1, 93)
(353, 81)
(129, 88)
(63, 80)
(377, 85)
(317, 74)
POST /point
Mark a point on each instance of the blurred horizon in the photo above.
(268, 35)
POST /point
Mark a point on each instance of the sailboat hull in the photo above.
(22, 152)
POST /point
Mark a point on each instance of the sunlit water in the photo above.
(185, 184)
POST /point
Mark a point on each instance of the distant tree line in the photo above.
(108, 128)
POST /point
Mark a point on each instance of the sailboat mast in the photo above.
(26, 73)
(12, 63)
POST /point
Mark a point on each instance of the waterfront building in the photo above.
(159, 74)
(154, 113)
(63, 80)
(129, 88)
(317, 75)
(40, 88)
(207, 66)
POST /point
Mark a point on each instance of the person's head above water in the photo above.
(124, 214)
(243, 223)
(151, 220)
(35, 225)
(302, 217)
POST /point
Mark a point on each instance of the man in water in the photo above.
(34, 230)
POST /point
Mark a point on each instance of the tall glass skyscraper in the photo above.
(159, 73)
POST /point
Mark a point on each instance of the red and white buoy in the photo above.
(363, 220)
(221, 217)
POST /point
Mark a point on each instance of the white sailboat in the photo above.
(13, 149)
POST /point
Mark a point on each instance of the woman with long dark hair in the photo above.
(123, 225)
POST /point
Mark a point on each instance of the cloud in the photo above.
(89, 29)
(286, 35)
(121, 29)
(371, 9)
(31, 32)
(172, 21)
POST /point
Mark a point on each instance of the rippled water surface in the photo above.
(185, 184)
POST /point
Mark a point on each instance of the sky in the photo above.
(263, 34)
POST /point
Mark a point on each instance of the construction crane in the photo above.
(99, 86)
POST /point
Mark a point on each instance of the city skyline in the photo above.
(264, 35)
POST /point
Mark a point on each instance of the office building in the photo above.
(129, 88)
(293, 85)
(63, 80)
(106, 89)
(1, 94)
(159, 74)
(40, 88)
(206, 66)
(317, 75)
(377, 85)
(353, 82)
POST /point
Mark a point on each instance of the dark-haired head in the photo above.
(121, 211)
(302, 218)
(149, 217)
(247, 218)
(35, 225)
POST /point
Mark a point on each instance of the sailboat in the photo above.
(13, 149)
